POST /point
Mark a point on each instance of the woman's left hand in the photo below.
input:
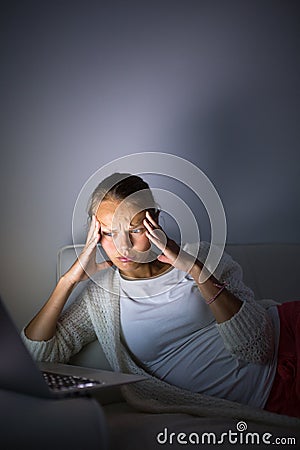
(171, 252)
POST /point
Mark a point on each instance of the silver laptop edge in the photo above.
(20, 373)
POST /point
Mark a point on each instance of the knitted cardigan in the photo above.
(96, 314)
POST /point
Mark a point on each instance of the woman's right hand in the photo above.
(86, 264)
(43, 326)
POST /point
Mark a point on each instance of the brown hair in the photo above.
(118, 186)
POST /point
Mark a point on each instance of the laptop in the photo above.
(20, 373)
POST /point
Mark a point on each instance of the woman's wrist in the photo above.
(196, 270)
(67, 282)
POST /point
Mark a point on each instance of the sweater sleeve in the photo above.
(74, 330)
(249, 334)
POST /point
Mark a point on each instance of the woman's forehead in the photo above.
(112, 211)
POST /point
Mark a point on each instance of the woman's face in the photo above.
(123, 235)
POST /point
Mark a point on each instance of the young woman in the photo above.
(206, 347)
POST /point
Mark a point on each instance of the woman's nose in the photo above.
(123, 243)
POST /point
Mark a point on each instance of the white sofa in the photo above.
(271, 270)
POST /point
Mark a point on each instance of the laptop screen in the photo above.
(18, 371)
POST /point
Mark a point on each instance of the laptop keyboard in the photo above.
(58, 382)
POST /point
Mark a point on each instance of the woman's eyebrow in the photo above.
(134, 225)
(106, 226)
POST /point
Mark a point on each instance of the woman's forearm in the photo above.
(42, 327)
(226, 305)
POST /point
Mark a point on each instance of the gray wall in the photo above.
(83, 83)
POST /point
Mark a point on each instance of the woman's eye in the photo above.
(137, 230)
(107, 233)
(113, 233)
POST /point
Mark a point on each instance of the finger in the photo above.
(152, 229)
(93, 235)
(164, 259)
(94, 228)
(97, 228)
(158, 238)
(151, 220)
(156, 232)
(151, 232)
(148, 226)
(91, 228)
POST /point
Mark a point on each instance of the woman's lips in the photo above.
(123, 259)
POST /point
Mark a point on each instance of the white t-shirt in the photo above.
(169, 328)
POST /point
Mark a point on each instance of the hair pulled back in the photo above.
(118, 187)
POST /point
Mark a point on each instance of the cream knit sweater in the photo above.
(96, 314)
